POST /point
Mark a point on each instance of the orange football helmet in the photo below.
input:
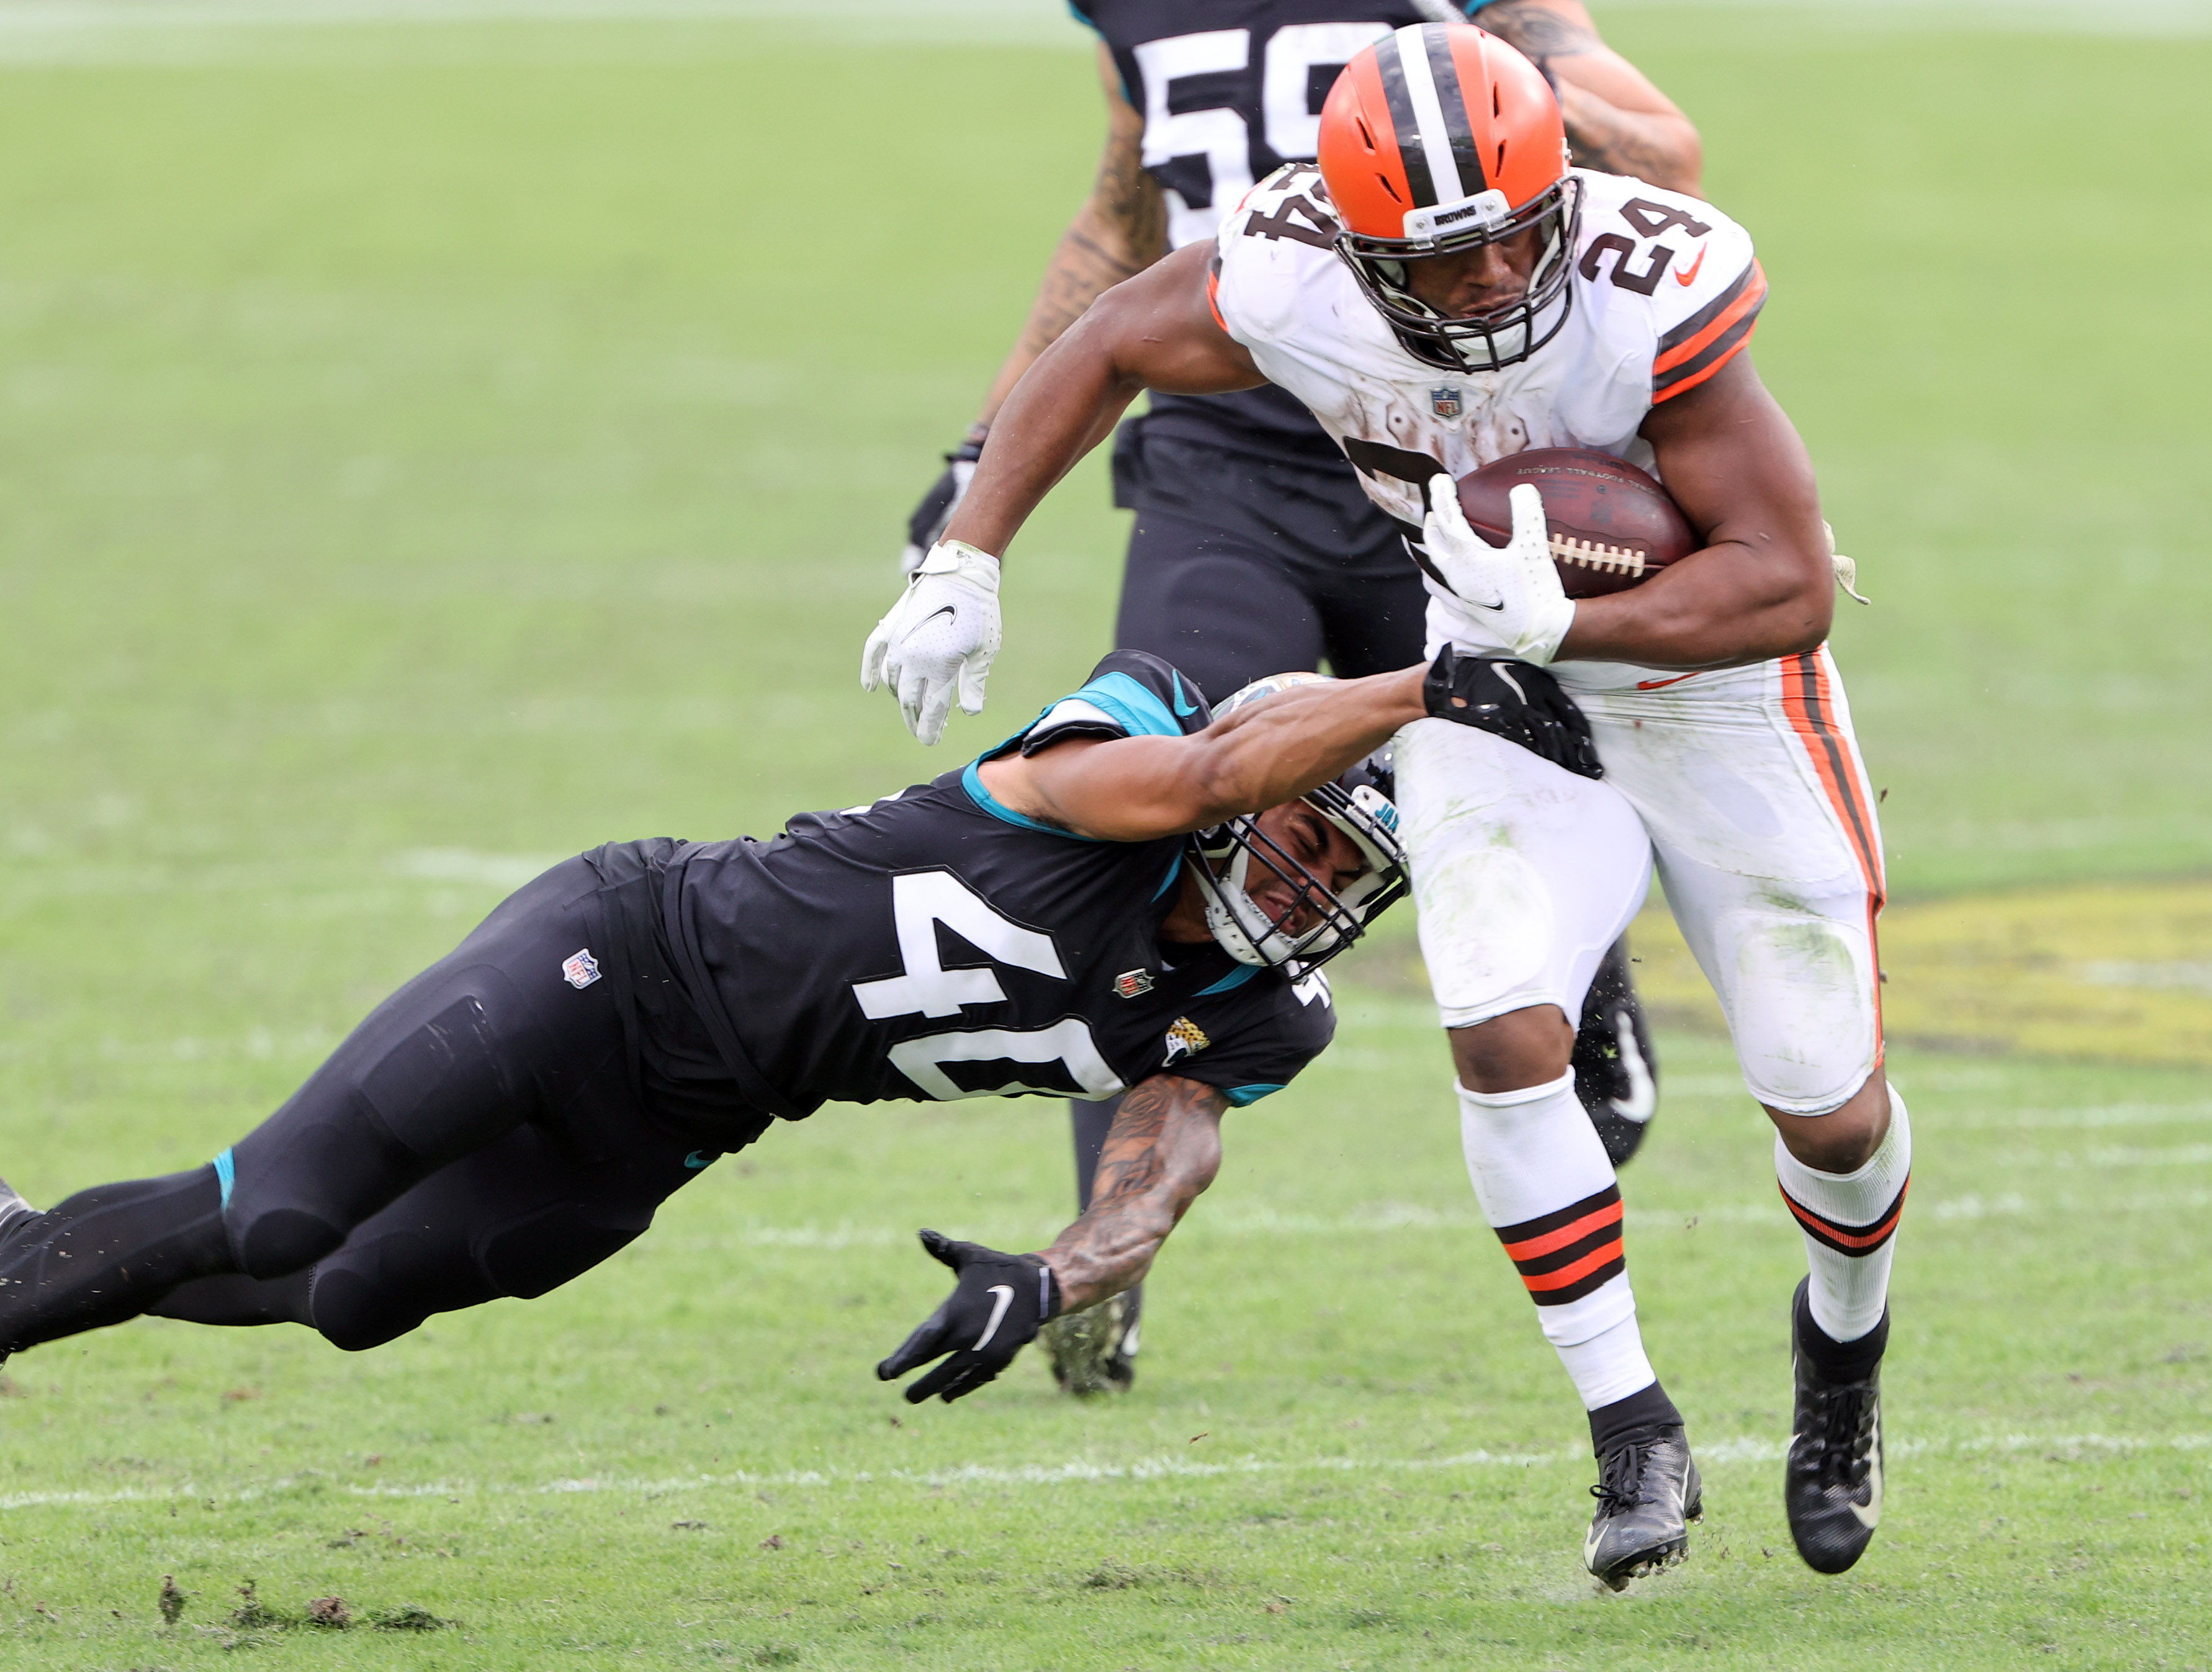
(1441, 137)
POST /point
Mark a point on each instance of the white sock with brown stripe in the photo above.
(1850, 1221)
(1540, 1173)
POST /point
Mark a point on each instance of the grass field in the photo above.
(426, 448)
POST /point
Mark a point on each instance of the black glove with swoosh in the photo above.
(1000, 1302)
(1517, 701)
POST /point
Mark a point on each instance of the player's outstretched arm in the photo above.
(1155, 331)
(1161, 1152)
(1617, 121)
(1763, 586)
(1138, 789)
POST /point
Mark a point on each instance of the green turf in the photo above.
(422, 450)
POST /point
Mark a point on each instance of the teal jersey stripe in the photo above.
(972, 781)
(1125, 700)
(1242, 1097)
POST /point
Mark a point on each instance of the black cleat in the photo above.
(1095, 1351)
(14, 1210)
(1647, 1493)
(1832, 1485)
(1616, 1071)
(15, 1214)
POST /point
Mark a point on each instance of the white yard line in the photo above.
(1741, 1450)
(1239, 1221)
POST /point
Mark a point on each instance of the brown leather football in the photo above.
(1612, 526)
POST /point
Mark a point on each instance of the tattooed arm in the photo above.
(1163, 1149)
(1617, 121)
(1121, 230)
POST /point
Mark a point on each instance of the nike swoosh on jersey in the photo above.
(1005, 1291)
(1661, 684)
(699, 1159)
(1687, 276)
(1181, 708)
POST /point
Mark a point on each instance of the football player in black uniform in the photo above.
(1254, 549)
(1087, 908)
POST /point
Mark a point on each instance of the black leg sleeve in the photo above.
(107, 1253)
(237, 1300)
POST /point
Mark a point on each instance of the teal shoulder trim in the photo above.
(972, 781)
(1138, 710)
(1229, 983)
(1243, 1097)
(226, 1172)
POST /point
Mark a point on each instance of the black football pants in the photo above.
(479, 1136)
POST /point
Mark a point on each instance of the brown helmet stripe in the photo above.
(1472, 177)
(1403, 127)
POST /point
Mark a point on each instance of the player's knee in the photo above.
(1844, 1139)
(354, 1312)
(1508, 1053)
(283, 1240)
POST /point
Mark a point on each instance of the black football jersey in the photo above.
(936, 945)
(1229, 91)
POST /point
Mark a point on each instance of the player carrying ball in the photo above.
(1125, 895)
(1442, 290)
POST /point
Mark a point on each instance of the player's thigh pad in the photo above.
(1750, 783)
(1524, 874)
(451, 1060)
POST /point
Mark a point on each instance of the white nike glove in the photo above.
(943, 631)
(1512, 591)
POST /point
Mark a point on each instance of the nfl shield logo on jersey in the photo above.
(580, 969)
(1444, 403)
(1133, 983)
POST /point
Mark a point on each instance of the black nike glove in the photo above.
(1000, 1303)
(926, 526)
(1517, 701)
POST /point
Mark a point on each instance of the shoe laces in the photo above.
(1842, 1425)
(1621, 1478)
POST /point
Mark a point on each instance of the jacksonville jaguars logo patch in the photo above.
(1185, 1038)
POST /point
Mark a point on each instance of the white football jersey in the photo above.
(1664, 291)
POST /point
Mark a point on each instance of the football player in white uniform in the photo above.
(1443, 289)
(1253, 548)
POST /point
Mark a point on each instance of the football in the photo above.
(1613, 526)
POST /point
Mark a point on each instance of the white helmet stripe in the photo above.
(1429, 115)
